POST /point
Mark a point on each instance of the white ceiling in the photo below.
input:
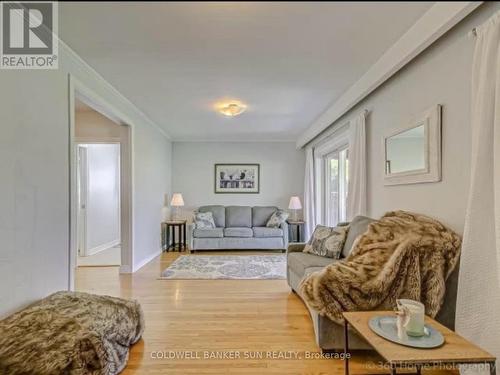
(288, 61)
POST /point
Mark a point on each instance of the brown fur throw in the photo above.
(402, 255)
(70, 333)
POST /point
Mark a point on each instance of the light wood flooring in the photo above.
(196, 318)
(108, 257)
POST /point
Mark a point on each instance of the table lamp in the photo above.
(295, 205)
(176, 202)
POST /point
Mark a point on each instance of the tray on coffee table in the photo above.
(386, 327)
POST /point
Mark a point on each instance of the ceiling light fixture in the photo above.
(231, 109)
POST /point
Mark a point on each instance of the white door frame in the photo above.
(77, 90)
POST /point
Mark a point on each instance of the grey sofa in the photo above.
(238, 227)
(329, 335)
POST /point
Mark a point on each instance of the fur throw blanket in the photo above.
(70, 333)
(402, 255)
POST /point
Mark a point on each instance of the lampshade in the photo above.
(177, 200)
(295, 203)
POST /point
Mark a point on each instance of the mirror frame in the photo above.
(431, 119)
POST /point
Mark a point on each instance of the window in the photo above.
(331, 170)
(336, 178)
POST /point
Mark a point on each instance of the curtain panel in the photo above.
(478, 302)
(309, 194)
(356, 197)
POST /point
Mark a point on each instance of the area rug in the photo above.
(234, 267)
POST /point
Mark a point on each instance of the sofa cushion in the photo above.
(204, 220)
(358, 226)
(208, 233)
(310, 270)
(218, 213)
(299, 262)
(277, 219)
(261, 215)
(267, 232)
(238, 216)
(233, 243)
(238, 232)
(327, 241)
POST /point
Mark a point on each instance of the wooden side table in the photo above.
(455, 350)
(169, 238)
(299, 230)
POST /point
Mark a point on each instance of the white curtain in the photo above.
(309, 194)
(478, 304)
(356, 197)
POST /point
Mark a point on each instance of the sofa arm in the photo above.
(190, 229)
(296, 247)
(284, 227)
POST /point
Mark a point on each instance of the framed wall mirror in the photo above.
(413, 152)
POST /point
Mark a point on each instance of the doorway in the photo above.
(101, 171)
(99, 221)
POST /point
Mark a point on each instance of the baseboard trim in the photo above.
(145, 261)
(102, 247)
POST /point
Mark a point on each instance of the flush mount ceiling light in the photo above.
(231, 109)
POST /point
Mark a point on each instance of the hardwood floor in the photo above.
(197, 318)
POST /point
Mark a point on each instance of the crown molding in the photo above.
(111, 90)
(211, 140)
(440, 18)
(79, 62)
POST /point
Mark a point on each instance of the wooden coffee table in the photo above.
(455, 350)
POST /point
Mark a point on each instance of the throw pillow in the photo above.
(277, 218)
(327, 242)
(204, 220)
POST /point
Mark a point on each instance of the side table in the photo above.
(455, 351)
(171, 239)
(299, 230)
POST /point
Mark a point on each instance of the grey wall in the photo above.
(152, 180)
(34, 170)
(34, 192)
(281, 172)
(440, 75)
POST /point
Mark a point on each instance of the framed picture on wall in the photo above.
(237, 178)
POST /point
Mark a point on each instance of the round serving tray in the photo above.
(385, 326)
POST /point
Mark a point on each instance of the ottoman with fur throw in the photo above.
(70, 333)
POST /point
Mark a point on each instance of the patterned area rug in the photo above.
(235, 267)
